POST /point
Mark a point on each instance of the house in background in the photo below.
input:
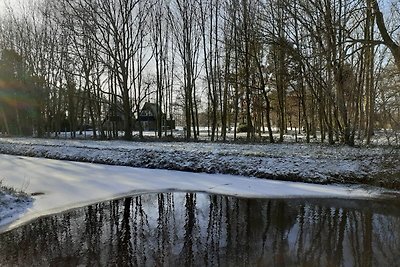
(148, 118)
(114, 119)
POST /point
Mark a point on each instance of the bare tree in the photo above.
(183, 16)
(388, 40)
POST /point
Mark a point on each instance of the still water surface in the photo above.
(196, 229)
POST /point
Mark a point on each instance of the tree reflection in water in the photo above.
(210, 230)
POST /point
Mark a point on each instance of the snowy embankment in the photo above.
(57, 185)
(291, 162)
(12, 203)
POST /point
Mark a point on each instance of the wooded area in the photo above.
(328, 68)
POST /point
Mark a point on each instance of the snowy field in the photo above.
(57, 186)
(382, 137)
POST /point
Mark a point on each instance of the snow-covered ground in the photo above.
(314, 163)
(12, 203)
(61, 185)
(380, 137)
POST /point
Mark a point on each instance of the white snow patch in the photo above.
(12, 204)
(66, 185)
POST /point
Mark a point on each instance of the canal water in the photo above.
(197, 229)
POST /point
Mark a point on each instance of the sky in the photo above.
(384, 3)
(13, 3)
(3, 3)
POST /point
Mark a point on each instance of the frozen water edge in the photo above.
(63, 185)
(295, 162)
(12, 205)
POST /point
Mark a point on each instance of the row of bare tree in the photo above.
(326, 66)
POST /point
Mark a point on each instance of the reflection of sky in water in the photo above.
(201, 229)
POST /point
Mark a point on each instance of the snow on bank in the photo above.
(61, 185)
(12, 204)
(295, 162)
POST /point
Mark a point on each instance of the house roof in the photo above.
(152, 107)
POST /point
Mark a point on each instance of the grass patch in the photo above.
(6, 190)
(12, 202)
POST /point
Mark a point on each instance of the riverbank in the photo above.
(12, 203)
(312, 163)
(57, 186)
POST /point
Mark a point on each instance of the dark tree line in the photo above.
(326, 68)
